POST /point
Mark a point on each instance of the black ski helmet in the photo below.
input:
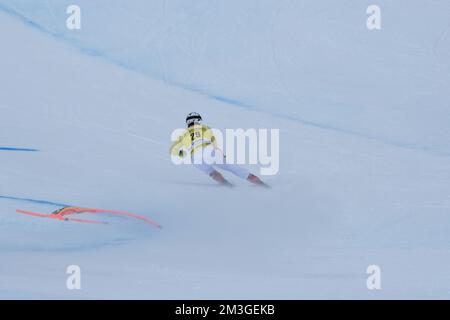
(193, 117)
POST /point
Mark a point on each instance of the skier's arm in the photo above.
(208, 134)
(175, 148)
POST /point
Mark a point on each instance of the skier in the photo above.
(198, 140)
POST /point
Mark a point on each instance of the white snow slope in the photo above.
(365, 168)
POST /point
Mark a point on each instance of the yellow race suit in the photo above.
(199, 142)
(192, 140)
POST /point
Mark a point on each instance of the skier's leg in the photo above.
(241, 172)
(237, 170)
(219, 178)
(208, 168)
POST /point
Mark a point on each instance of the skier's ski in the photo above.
(265, 185)
(125, 214)
(62, 214)
(58, 217)
(226, 184)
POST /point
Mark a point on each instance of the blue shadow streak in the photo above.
(51, 203)
(18, 149)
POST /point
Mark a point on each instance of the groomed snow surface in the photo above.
(365, 170)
